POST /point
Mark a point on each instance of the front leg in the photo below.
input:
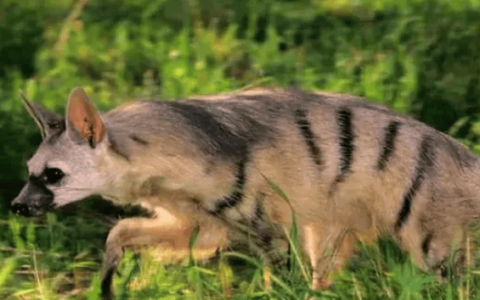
(328, 248)
(266, 238)
(165, 228)
(138, 232)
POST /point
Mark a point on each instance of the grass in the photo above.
(418, 57)
(379, 271)
(69, 267)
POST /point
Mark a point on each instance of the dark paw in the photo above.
(441, 271)
(107, 284)
(278, 262)
(112, 257)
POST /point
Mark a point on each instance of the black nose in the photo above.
(21, 208)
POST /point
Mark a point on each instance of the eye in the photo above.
(52, 175)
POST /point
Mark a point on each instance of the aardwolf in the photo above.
(351, 169)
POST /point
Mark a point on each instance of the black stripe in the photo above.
(114, 146)
(218, 139)
(344, 119)
(262, 228)
(391, 133)
(305, 128)
(463, 157)
(258, 215)
(264, 236)
(236, 196)
(426, 243)
(425, 162)
(138, 140)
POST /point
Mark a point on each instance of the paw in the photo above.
(321, 284)
(110, 262)
(267, 278)
(107, 284)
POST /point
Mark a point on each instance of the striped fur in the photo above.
(389, 144)
(304, 126)
(347, 139)
(425, 161)
(351, 170)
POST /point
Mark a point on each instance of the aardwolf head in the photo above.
(63, 169)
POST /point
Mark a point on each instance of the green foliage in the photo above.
(418, 57)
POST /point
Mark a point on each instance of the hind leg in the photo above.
(262, 235)
(266, 244)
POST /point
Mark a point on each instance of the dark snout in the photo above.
(33, 200)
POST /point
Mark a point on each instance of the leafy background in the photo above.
(419, 57)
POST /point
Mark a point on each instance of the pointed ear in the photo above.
(83, 120)
(48, 122)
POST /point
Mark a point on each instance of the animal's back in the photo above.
(332, 148)
(344, 163)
